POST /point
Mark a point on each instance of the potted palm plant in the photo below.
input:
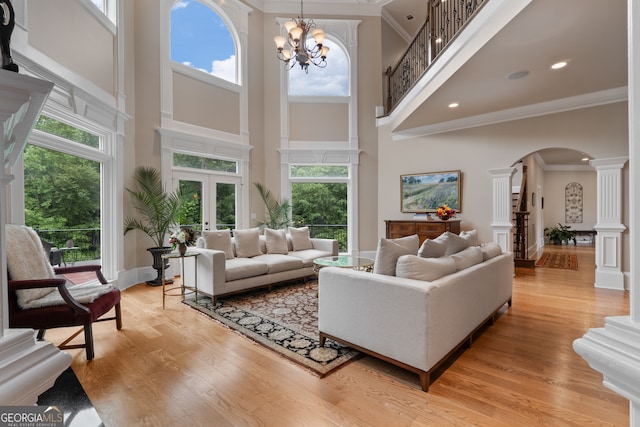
(277, 210)
(560, 234)
(158, 211)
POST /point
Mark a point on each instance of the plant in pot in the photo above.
(158, 210)
(277, 210)
(560, 234)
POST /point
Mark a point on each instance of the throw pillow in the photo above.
(247, 242)
(455, 243)
(276, 241)
(470, 236)
(427, 269)
(300, 238)
(389, 250)
(219, 240)
(432, 248)
(467, 257)
(490, 250)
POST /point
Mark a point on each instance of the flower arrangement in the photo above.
(445, 212)
(184, 235)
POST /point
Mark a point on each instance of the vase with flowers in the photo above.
(181, 238)
(444, 212)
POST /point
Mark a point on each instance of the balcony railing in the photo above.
(445, 19)
(83, 243)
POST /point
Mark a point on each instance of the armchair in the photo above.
(40, 300)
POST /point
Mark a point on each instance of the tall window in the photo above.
(200, 39)
(319, 197)
(333, 80)
(62, 187)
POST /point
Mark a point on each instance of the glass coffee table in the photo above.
(343, 261)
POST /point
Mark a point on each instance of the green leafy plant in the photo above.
(560, 234)
(158, 209)
(277, 210)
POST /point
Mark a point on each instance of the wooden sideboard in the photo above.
(425, 228)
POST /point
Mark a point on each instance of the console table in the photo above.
(425, 228)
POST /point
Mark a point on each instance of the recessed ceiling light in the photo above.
(518, 75)
(454, 105)
(585, 159)
(559, 65)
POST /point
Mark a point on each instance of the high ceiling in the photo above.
(590, 35)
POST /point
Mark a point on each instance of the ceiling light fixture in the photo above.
(454, 105)
(559, 65)
(293, 49)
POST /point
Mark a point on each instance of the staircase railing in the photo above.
(445, 19)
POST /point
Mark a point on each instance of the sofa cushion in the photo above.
(278, 262)
(426, 269)
(247, 242)
(276, 241)
(467, 257)
(219, 240)
(241, 268)
(389, 250)
(455, 243)
(300, 238)
(433, 248)
(470, 236)
(490, 250)
(307, 256)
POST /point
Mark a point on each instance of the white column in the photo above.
(501, 223)
(609, 225)
(615, 349)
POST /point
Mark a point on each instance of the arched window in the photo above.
(333, 80)
(201, 39)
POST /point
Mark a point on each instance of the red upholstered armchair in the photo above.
(40, 300)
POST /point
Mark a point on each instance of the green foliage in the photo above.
(72, 133)
(159, 210)
(277, 210)
(225, 205)
(61, 190)
(560, 234)
(319, 203)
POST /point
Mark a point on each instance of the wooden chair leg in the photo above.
(41, 333)
(425, 379)
(118, 317)
(88, 340)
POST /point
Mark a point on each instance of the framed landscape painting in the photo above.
(424, 192)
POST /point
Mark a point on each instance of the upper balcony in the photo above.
(493, 58)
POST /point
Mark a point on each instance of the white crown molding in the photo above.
(540, 109)
(326, 7)
(395, 25)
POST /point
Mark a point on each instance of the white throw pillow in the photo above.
(276, 241)
(490, 250)
(470, 236)
(467, 257)
(433, 248)
(427, 269)
(455, 243)
(219, 240)
(389, 250)
(247, 242)
(300, 238)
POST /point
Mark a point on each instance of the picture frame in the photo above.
(425, 192)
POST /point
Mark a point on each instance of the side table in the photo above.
(183, 288)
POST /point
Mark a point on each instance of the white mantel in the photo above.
(27, 367)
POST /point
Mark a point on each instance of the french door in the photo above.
(209, 200)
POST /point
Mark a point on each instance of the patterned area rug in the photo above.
(285, 320)
(553, 260)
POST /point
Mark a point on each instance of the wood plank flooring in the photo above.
(177, 367)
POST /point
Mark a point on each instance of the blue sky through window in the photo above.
(200, 39)
(333, 80)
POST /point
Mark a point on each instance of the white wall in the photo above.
(554, 198)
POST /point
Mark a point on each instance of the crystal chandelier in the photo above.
(294, 49)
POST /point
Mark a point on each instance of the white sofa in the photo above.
(415, 324)
(225, 272)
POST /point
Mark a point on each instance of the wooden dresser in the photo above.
(425, 228)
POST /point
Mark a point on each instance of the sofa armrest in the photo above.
(211, 271)
(327, 245)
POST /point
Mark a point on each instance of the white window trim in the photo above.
(108, 19)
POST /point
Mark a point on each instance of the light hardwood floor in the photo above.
(177, 367)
